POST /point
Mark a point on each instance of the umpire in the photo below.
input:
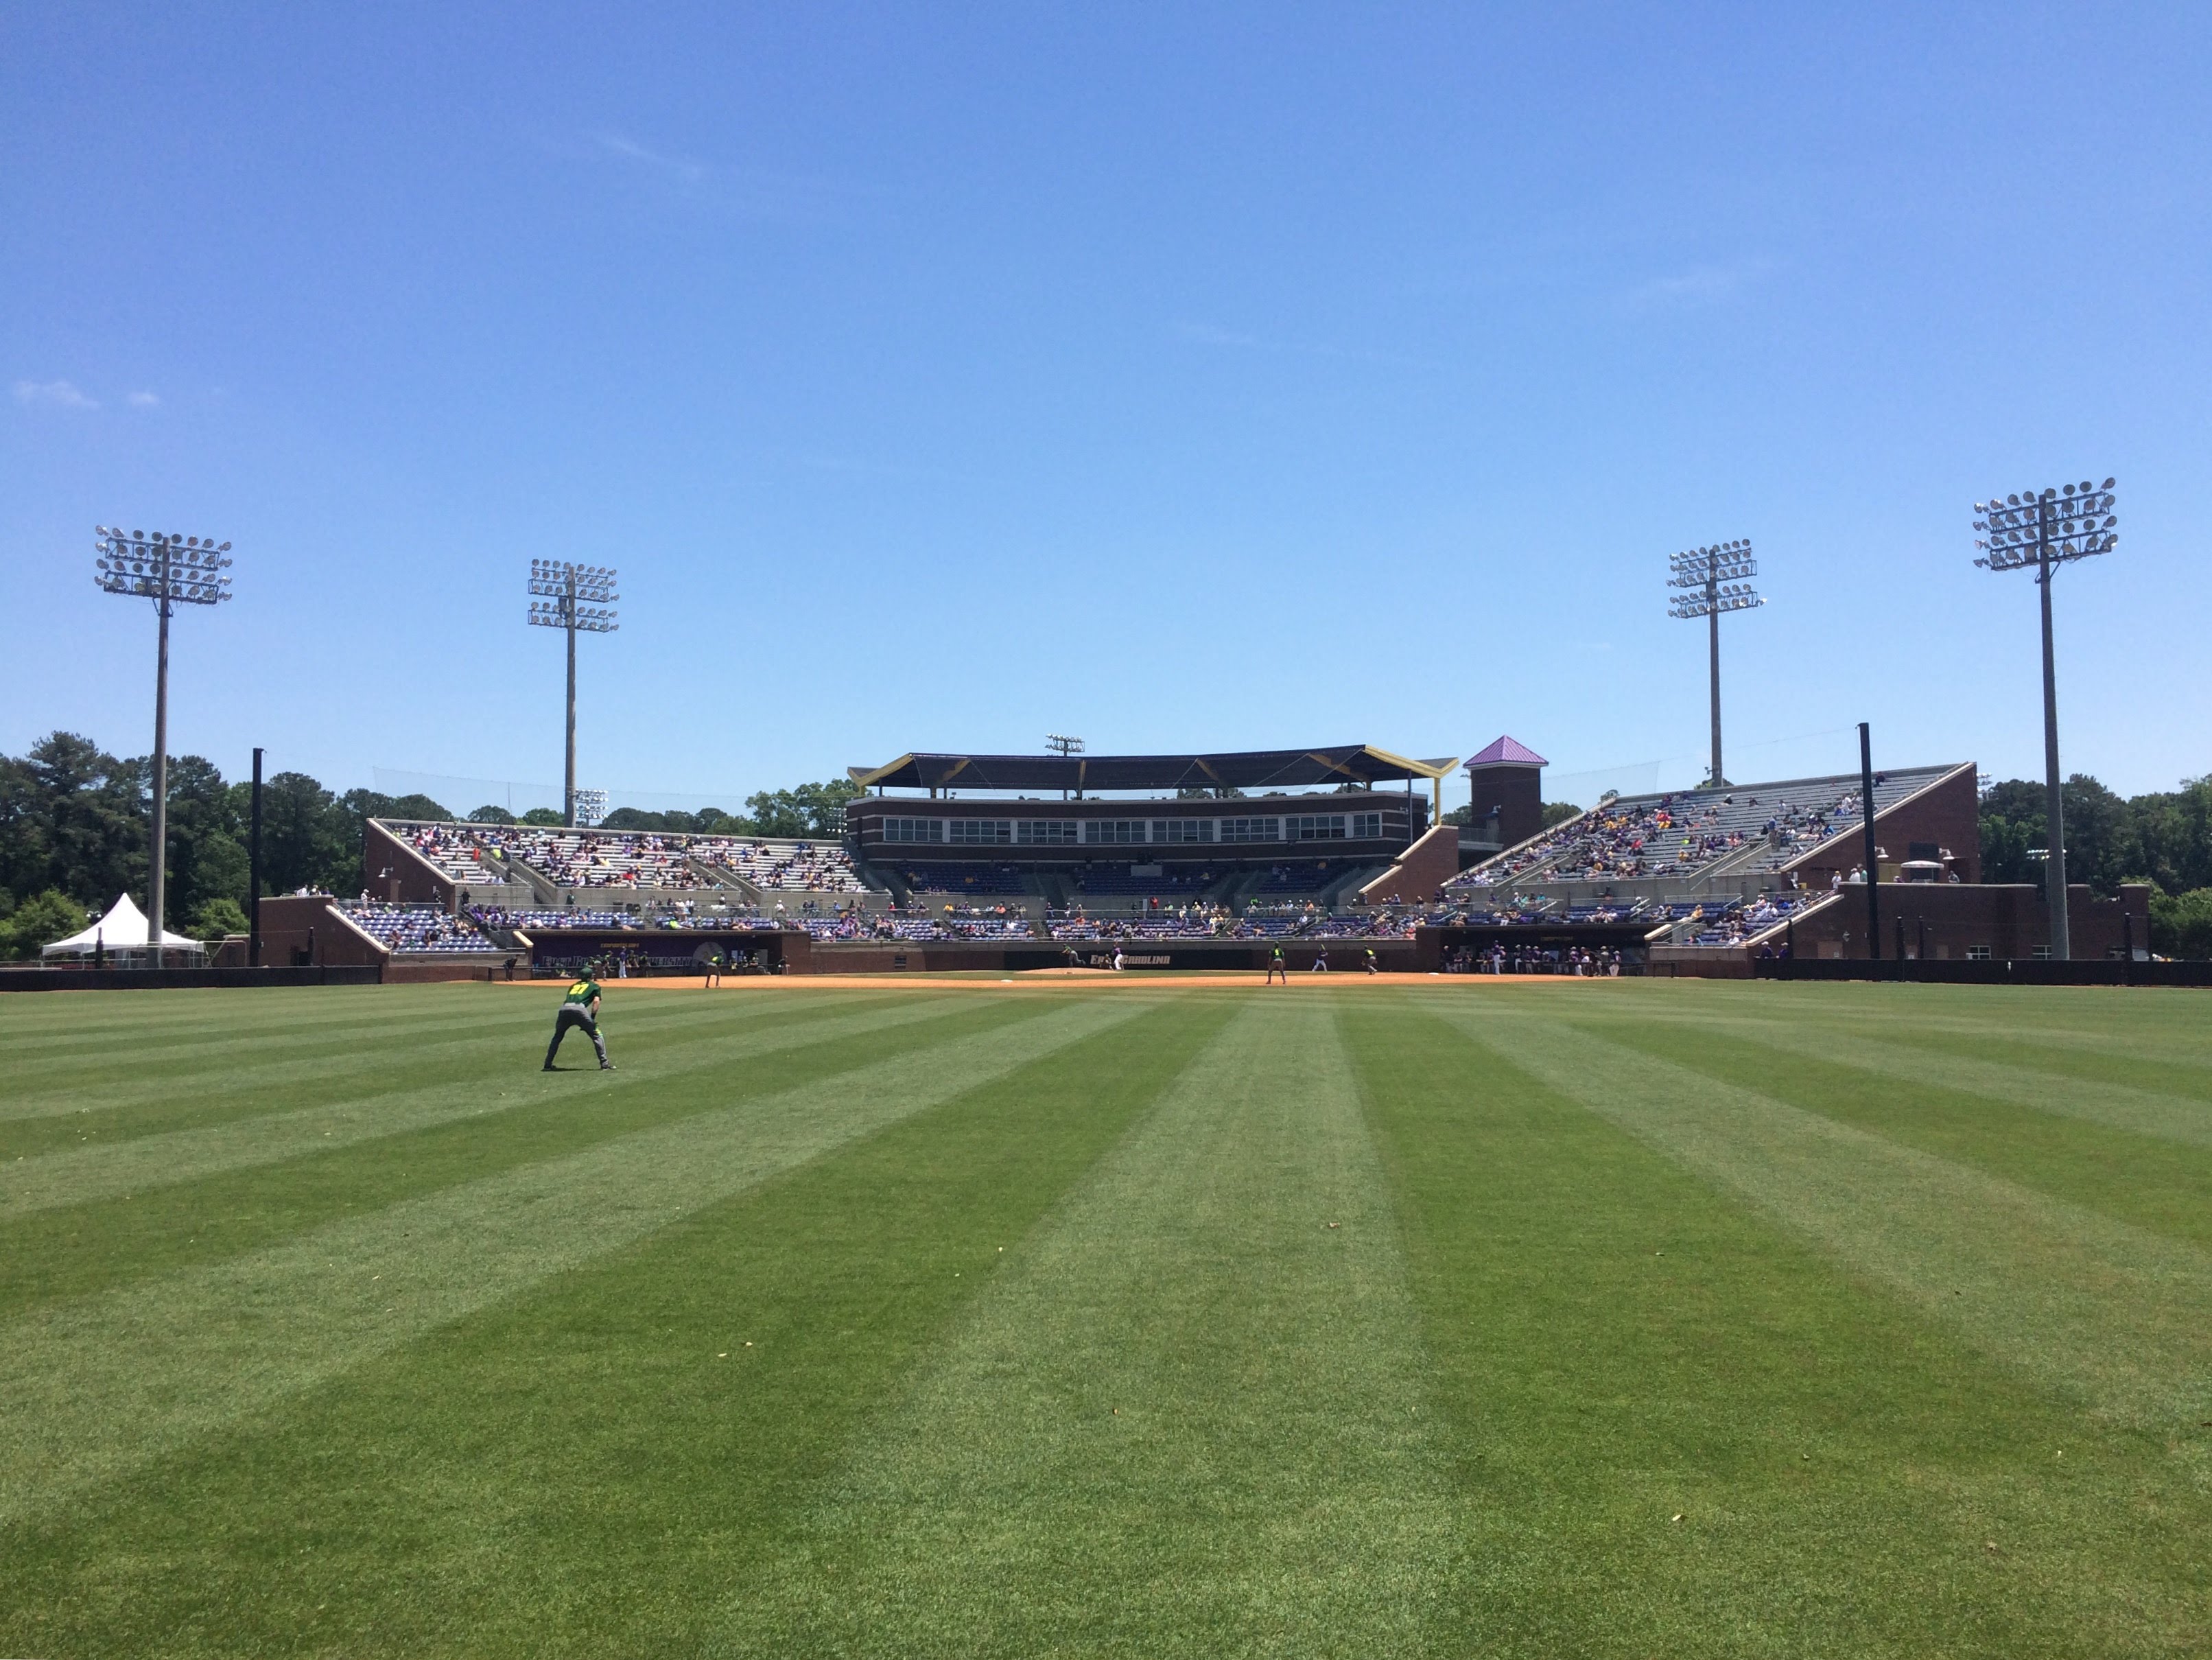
(580, 1007)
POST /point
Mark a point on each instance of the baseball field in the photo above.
(1142, 1318)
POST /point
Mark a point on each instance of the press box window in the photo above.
(982, 832)
(1251, 830)
(1182, 829)
(913, 829)
(1317, 827)
(1045, 833)
(1366, 826)
(1105, 830)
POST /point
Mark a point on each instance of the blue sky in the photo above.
(1179, 377)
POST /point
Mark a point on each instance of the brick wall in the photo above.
(1518, 790)
(1945, 920)
(1421, 871)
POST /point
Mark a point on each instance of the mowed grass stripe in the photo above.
(2153, 1025)
(2159, 1184)
(1614, 1349)
(277, 1070)
(1186, 1420)
(2173, 1117)
(583, 1469)
(76, 1250)
(2112, 1314)
(119, 1072)
(209, 1345)
(147, 1162)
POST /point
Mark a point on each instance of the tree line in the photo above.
(2163, 838)
(75, 823)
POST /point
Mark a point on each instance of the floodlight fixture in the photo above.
(576, 600)
(1060, 744)
(1708, 581)
(2041, 529)
(171, 569)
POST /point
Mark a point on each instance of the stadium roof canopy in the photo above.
(1254, 769)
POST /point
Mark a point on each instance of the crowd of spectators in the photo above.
(415, 928)
(1675, 835)
(457, 852)
(475, 854)
(783, 867)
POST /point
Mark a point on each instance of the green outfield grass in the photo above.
(1175, 1318)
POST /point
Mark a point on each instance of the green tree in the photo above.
(304, 834)
(40, 920)
(2012, 821)
(816, 811)
(491, 815)
(1557, 812)
(544, 817)
(2173, 834)
(2181, 924)
(207, 858)
(72, 819)
(215, 918)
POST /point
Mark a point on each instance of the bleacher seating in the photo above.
(631, 859)
(785, 866)
(1684, 833)
(456, 853)
(1100, 881)
(1298, 878)
(415, 929)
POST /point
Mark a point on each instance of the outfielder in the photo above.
(580, 1007)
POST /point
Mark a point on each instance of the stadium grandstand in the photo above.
(1210, 860)
(1137, 831)
(525, 865)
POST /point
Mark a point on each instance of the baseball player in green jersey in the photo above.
(580, 1007)
(1276, 965)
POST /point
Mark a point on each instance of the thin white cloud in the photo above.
(143, 400)
(1209, 334)
(62, 394)
(672, 166)
(1701, 285)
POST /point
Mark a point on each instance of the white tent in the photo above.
(122, 930)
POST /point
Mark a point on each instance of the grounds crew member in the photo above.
(580, 1007)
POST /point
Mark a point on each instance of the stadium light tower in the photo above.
(1708, 581)
(574, 598)
(171, 570)
(1060, 744)
(2042, 530)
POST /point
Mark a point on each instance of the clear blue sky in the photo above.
(1179, 377)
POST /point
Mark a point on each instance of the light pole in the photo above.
(574, 598)
(170, 571)
(1708, 581)
(2042, 530)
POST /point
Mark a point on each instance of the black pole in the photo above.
(1872, 864)
(254, 874)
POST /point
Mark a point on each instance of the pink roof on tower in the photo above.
(1507, 752)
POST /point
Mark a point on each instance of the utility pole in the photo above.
(1873, 853)
(254, 874)
(1708, 581)
(170, 571)
(572, 598)
(2046, 529)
